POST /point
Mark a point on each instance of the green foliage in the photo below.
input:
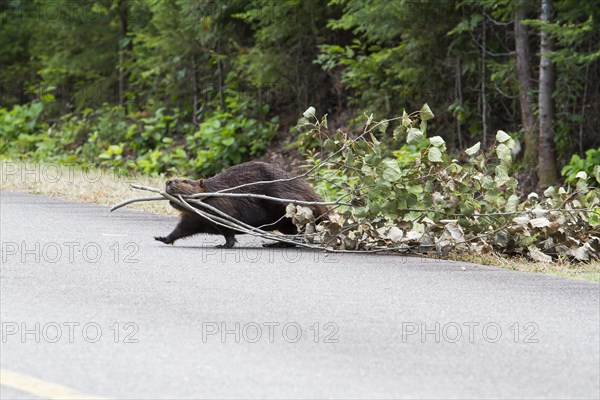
(154, 143)
(280, 61)
(440, 204)
(178, 54)
(225, 139)
(363, 55)
(383, 67)
(20, 130)
(589, 165)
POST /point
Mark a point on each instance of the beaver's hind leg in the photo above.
(229, 239)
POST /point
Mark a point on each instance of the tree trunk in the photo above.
(547, 170)
(483, 95)
(523, 58)
(459, 96)
(123, 51)
(194, 91)
(220, 75)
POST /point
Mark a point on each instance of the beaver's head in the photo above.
(185, 186)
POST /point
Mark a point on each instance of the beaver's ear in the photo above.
(201, 182)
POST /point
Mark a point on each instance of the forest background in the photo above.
(191, 87)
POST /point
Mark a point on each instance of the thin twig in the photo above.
(264, 197)
(142, 187)
(126, 202)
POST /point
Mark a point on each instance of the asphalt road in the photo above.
(89, 301)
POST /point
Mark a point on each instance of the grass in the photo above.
(90, 185)
(583, 271)
(104, 186)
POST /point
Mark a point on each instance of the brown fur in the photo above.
(254, 212)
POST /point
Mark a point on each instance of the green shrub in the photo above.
(224, 139)
(20, 130)
(590, 165)
(156, 143)
(429, 201)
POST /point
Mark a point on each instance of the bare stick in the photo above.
(142, 187)
(126, 202)
(264, 197)
(248, 195)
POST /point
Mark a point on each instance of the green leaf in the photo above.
(473, 149)
(550, 192)
(48, 98)
(504, 154)
(435, 155)
(329, 145)
(405, 119)
(374, 139)
(228, 141)
(100, 9)
(437, 141)
(399, 133)
(124, 42)
(414, 136)
(391, 171)
(511, 144)
(383, 126)
(114, 149)
(415, 189)
(581, 185)
(425, 113)
(467, 208)
(512, 203)
(581, 175)
(310, 112)
(367, 170)
(303, 122)
(501, 176)
(502, 136)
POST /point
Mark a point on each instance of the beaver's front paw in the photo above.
(163, 239)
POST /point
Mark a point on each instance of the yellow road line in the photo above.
(40, 388)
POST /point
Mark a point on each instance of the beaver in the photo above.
(266, 214)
